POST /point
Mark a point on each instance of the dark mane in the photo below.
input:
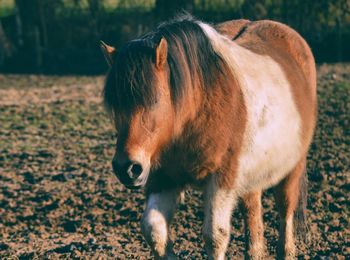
(191, 59)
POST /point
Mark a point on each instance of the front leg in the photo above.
(219, 203)
(156, 219)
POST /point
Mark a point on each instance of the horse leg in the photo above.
(218, 206)
(155, 222)
(254, 226)
(287, 196)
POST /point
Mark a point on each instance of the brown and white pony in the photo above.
(230, 109)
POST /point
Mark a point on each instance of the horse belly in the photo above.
(272, 144)
(263, 166)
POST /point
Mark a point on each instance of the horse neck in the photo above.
(188, 109)
(203, 100)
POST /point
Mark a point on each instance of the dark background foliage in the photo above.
(61, 36)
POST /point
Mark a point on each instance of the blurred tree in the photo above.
(6, 48)
(218, 5)
(61, 35)
(165, 9)
(95, 12)
(31, 14)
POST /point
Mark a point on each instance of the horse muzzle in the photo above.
(130, 173)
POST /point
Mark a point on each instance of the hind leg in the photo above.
(287, 196)
(156, 220)
(254, 226)
(218, 206)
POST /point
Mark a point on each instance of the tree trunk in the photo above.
(19, 28)
(6, 48)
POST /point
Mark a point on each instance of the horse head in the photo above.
(137, 94)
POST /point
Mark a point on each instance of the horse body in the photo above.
(249, 130)
(271, 145)
(271, 142)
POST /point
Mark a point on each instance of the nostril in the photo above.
(135, 170)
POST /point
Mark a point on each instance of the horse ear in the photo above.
(161, 53)
(108, 52)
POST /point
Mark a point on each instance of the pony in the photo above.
(227, 108)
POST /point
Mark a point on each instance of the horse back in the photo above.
(232, 28)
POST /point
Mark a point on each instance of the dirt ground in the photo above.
(59, 198)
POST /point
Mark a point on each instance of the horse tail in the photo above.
(301, 225)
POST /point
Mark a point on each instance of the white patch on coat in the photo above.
(271, 145)
(218, 207)
(156, 219)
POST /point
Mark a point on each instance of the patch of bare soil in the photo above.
(59, 198)
(24, 90)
